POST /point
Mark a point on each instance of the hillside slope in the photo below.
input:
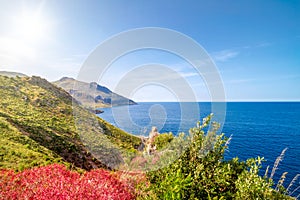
(91, 94)
(12, 74)
(40, 125)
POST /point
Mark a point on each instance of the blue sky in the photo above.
(254, 44)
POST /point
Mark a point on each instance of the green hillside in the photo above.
(40, 125)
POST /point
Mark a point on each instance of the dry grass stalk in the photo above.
(281, 181)
(277, 161)
(267, 171)
(228, 141)
(295, 191)
(292, 182)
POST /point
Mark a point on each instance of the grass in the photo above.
(38, 126)
(292, 188)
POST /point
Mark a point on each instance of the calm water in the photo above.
(258, 129)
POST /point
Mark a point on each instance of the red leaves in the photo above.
(56, 182)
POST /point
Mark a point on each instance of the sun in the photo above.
(31, 26)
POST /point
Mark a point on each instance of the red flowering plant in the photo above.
(56, 182)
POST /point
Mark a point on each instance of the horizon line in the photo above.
(230, 101)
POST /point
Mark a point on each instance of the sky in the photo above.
(255, 45)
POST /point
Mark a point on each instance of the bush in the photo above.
(202, 173)
(56, 182)
(162, 140)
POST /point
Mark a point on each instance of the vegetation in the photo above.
(162, 140)
(56, 182)
(202, 173)
(38, 127)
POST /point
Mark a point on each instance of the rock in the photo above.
(99, 111)
(150, 147)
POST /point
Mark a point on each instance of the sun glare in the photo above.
(30, 30)
(31, 27)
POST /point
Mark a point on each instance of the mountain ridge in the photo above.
(12, 74)
(92, 95)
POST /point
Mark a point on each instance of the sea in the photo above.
(256, 128)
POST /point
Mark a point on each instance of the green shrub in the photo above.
(202, 173)
(163, 140)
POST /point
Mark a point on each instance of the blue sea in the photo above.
(257, 128)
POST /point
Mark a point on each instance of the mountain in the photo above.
(41, 123)
(12, 74)
(91, 94)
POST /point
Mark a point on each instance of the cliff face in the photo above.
(91, 94)
(38, 126)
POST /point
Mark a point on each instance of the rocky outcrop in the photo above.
(150, 147)
(92, 95)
